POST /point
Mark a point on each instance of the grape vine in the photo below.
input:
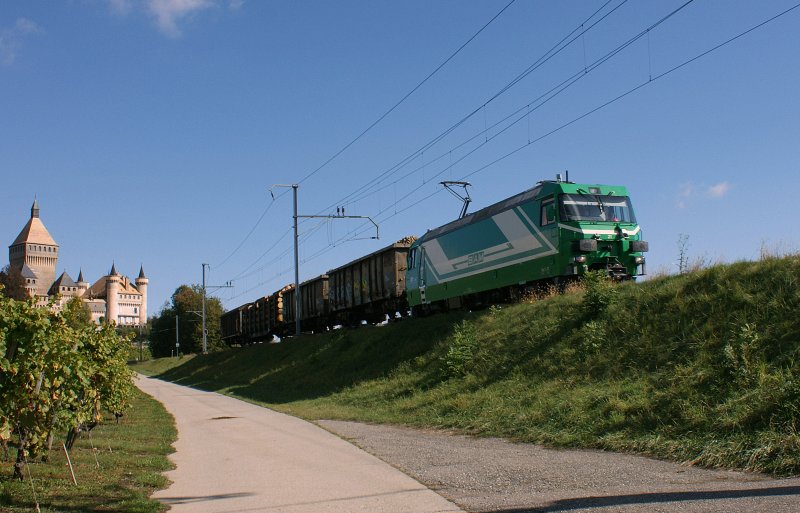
(58, 371)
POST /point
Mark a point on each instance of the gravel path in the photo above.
(493, 475)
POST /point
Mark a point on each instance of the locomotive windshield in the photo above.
(596, 207)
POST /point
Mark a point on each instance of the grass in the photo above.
(131, 455)
(701, 367)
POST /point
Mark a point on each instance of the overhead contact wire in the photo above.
(407, 95)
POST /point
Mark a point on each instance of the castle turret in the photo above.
(82, 284)
(112, 295)
(141, 284)
(35, 254)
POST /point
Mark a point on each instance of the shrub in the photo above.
(600, 292)
(462, 350)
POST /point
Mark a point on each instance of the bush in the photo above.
(600, 292)
(462, 350)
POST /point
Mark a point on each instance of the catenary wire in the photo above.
(371, 126)
(549, 54)
(407, 95)
(605, 104)
(582, 116)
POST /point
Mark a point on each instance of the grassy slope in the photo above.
(701, 367)
(132, 455)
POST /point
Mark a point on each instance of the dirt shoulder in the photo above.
(493, 475)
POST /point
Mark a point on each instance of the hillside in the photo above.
(702, 367)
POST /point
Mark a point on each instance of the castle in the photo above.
(113, 298)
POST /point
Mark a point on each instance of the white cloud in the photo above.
(685, 192)
(11, 39)
(121, 7)
(168, 12)
(719, 190)
(25, 26)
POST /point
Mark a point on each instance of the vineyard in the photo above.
(58, 373)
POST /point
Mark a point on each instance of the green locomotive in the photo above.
(558, 230)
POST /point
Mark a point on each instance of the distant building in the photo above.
(113, 297)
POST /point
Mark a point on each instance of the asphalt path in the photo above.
(233, 456)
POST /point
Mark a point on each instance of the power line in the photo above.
(407, 95)
(549, 54)
(246, 237)
(372, 125)
(544, 58)
(568, 123)
(541, 100)
(603, 105)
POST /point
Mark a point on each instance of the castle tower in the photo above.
(112, 295)
(82, 284)
(141, 284)
(35, 254)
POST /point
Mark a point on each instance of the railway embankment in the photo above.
(702, 367)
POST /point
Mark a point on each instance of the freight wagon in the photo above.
(371, 287)
(313, 305)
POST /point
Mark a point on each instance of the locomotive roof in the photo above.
(548, 187)
(483, 213)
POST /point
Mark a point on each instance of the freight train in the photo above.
(554, 232)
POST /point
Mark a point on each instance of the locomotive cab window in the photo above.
(548, 212)
(597, 208)
(412, 258)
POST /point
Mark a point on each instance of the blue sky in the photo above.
(151, 130)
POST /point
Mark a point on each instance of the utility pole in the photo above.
(205, 344)
(227, 285)
(294, 187)
(177, 342)
(296, 268)
(296, 244)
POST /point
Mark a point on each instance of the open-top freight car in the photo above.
(367, 289)
(314, 309)
(257, 321)
(232, 330)
(555, 231)
(372, 287)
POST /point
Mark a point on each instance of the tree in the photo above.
(13, 284)
(187, 305)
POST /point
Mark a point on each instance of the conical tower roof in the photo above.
(34, 231)
(113, 271)
(141, 272)
(80, 276)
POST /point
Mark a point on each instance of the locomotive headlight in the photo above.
(580, 259)
(639, 260)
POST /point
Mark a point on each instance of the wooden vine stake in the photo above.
(94, 451)
(33, 488)
(71, 471)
